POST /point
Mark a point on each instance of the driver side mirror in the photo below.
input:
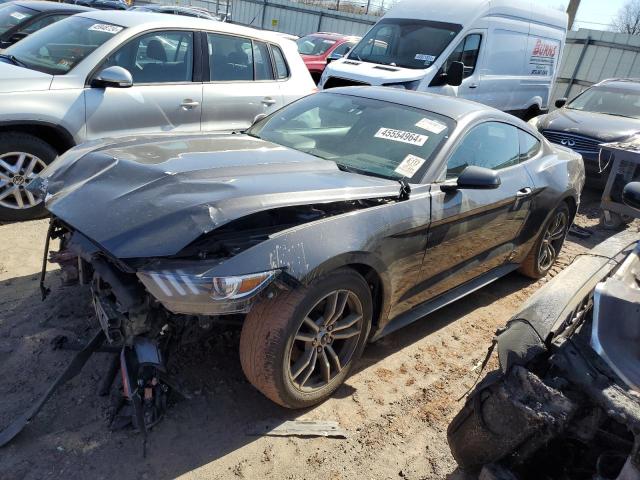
(455, 74)
(115, 77)
(631, 195)
(474, 178)
(561, 102)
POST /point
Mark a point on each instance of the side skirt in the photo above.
(443, 300)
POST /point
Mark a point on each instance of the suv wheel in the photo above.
(22, 158)
(299, 347)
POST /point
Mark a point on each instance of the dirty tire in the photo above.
(22, 142)
(270, 328)
(530, 266)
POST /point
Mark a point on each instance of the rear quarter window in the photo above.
(529, 146)
(282, 69)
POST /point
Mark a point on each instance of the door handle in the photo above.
(188, 104)
(473, 85)
(524, 192)
(268, 101)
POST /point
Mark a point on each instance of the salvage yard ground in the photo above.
(395, 408)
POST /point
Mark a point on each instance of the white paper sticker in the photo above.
(18, 15)
(432, 126)
(410, 165)
(104, 27)
(402, 136)
(424, 57)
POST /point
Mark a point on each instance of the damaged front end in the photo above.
(562, 405)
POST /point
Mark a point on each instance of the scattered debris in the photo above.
(302, 428)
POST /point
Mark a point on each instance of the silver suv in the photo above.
(111, 73)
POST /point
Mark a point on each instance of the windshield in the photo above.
(312, 45)
(58, 48)
(12, 15)
(612, 101)
(362, 135)
(405, 43)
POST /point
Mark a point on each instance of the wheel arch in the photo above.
(371, 269)
(55, 135)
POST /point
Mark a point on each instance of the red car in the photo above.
(316, 47)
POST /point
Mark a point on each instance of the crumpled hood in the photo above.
(152, 196)
(18, 79)
(596, 125)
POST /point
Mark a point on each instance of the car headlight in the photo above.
(224, 288)
(202, 294)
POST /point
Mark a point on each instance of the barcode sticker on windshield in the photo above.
(402, 136)
(105, 27)
(18, 15)
(410, 165)
(424, 57)
(432, 126)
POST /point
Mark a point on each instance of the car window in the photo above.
(43, 22)
(360, 134)
(230, 58)
(529, 146)
(314, 45)
(490, 145)
(466, 52)
(342, 50)
(282, 70)
(12, 15)
(157, 57)
(262, 61)
(60, 47)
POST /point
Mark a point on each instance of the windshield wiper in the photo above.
(13, 59)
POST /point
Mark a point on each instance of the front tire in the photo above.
(22, 158)
(547, 247)
(299, 347)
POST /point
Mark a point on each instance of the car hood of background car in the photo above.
(151, 197)
(596, 125)
(19, 79)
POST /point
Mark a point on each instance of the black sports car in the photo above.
(330, 223)
(606, 112)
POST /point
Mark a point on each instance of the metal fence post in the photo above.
(319, 22)
(264, 11)
(578, 65)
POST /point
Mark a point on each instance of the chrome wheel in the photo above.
(326, 340)
(17, 170)
(552, 241)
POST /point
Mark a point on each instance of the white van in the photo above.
(503, 53)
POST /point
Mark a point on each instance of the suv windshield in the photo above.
(12, 15)
(405, 43)
(608, 100)
(312, 45)
(362, 135)
(60, 47)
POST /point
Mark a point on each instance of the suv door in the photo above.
(163, 98)
(241, 85)
(475, 231)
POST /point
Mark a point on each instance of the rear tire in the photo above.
(22, 158)
(283, 334)
(548, 245)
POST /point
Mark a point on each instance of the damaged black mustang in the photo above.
(333, 222)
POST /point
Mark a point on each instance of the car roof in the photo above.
(332, 36)
(623, 83)
(42, 6)
(452, 107)
(151, 20)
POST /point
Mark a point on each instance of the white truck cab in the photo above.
(503, 53)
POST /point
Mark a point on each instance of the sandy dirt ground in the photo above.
(395, 408)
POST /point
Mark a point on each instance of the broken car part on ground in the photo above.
(335, 221)
(565, 403)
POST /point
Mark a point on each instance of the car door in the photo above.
(476, 231)
(164, 96)
(469, 51)
(241, 85)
